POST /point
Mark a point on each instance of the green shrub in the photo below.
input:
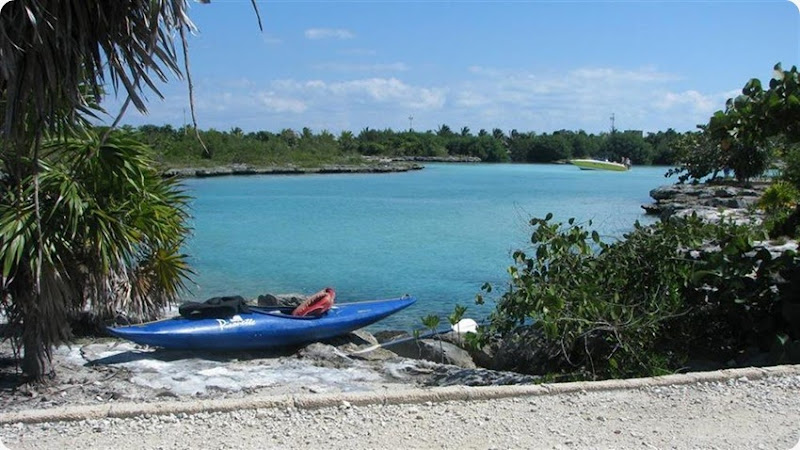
(780, 203)
(647, 303)
(791, 169)
(780, 195)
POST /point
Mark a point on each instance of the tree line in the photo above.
(180, 147)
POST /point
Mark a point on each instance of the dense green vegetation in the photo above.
(647, 304)
(86, 221)
(678, 291)
(180, 148)
(757, 129)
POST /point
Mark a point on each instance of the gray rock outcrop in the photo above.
(244, 169)
(325, 355)
(435, 350)
(710, 202)
(429, 373)
(714, 203)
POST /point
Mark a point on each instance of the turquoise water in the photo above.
(437, 234)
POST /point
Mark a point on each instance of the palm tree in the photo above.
(83, 218)
(444, 131)
(347, 141)
(109, 238)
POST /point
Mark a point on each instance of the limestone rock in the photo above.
(712, 202)
(325, 355)
(390, 335)
(360, 340)
(353, 341)
(435, 350)
(479, 377)
(526, 350)
(429, 373)
(245, 169)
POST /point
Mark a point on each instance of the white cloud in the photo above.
(392, 90)
(471, 99)
(329, 33)
(313, 84)
(238, 83)
(644, 75)
(364, 91)
(278, 104)
(483, 97)
(642, 98)
(358, 52)
(349, 67)
(271, 40)
(692, 99)
(480, 70)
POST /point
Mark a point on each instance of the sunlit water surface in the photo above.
(437, 234)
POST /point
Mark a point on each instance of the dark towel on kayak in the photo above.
(215, 307)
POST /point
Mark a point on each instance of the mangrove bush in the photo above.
(648, 303)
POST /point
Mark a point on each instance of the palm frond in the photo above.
(112, 229)
(49, 48)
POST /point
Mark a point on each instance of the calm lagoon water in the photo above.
(437, 234)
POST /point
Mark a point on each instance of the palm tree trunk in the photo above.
(206, 152)
(37, 364)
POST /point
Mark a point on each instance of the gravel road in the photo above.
(737, 413)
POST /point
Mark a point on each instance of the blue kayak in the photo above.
(260, 327)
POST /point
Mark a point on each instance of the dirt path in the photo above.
(737, 412)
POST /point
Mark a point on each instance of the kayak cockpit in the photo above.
(285, 312)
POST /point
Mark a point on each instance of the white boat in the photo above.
(595, 164)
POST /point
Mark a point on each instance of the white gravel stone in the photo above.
(704, 415)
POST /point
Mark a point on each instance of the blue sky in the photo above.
(526, 65)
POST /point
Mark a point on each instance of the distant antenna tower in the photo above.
(410, 123)
(612, 123)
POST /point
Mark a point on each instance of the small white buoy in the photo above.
(465, 326)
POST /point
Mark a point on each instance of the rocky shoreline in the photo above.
(106, 371)
(714, 203)
(372, 164)
(99, 370)
(711, 202)
(246, 169)
(441, 159)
